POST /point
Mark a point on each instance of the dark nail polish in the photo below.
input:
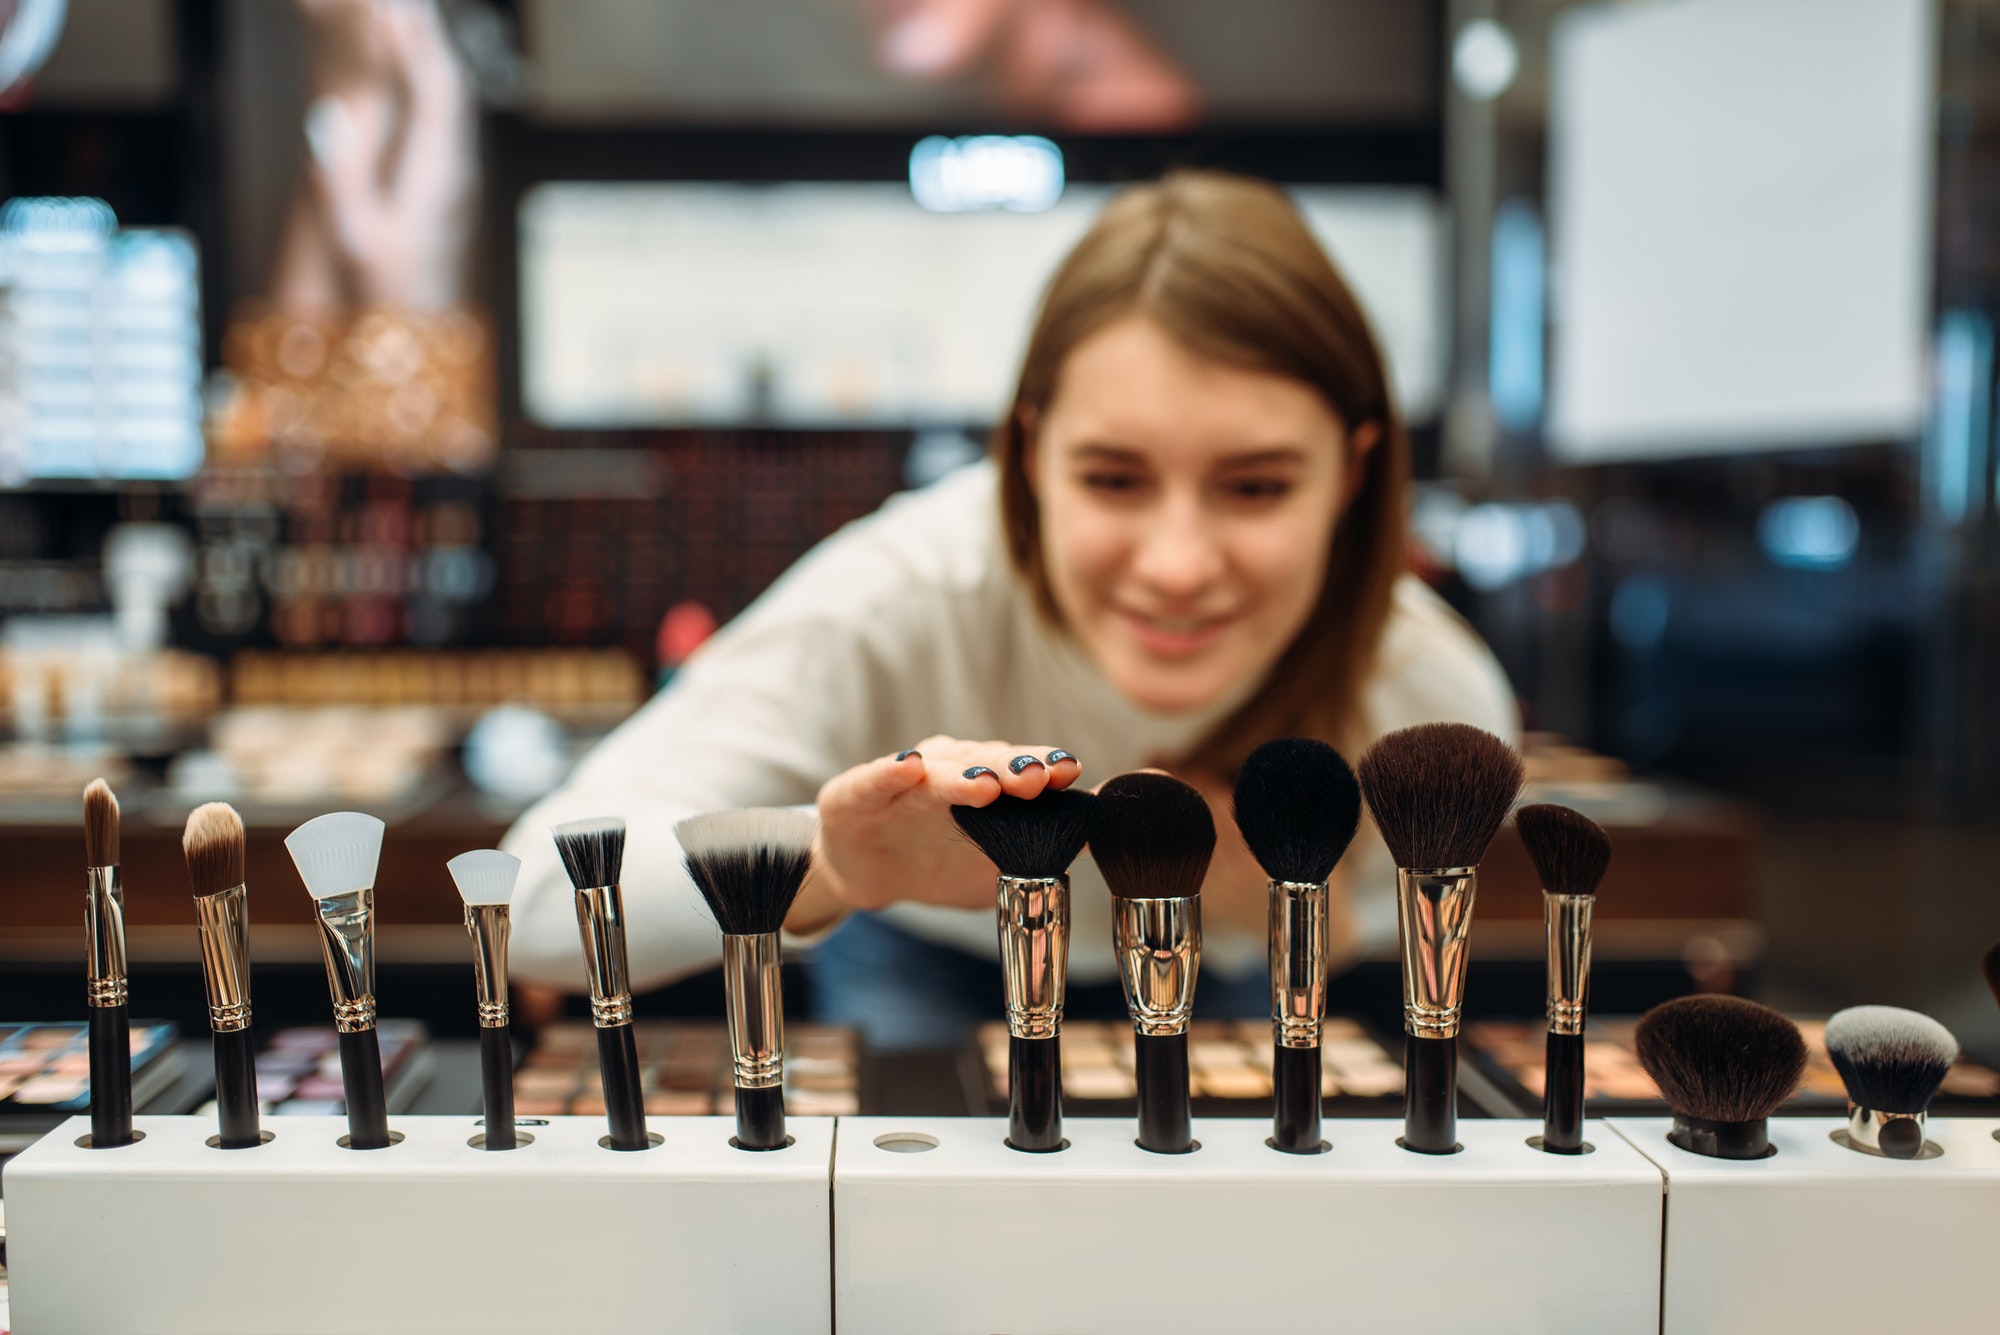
(1019, 763)
(978, 771)
(905, 755)
(1057, 757)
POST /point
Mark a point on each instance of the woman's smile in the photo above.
(1176, 636)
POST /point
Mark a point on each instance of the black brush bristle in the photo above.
(1568, 848)
(1154, 837)
(1031, 838)
(213, 842)
(1298, 805)
(1719, 1058)
(1989, 965)
(748, 864)
(1439, 791)
(1890, 1059)
(593, 851)
(100, 825)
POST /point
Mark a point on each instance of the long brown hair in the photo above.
(1227, 267)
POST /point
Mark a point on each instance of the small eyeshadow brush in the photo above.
(104, 982)
(1298, 806)
(1032, 841)
(749, 866)
(485, 879)
(1892, 1061)
(213, 844)
(337, 855)
(1438, 793)
(593, 853)
(1154, 838)
(1570, 852)
(1724, 1065)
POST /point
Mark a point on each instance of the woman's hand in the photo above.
(886, 835)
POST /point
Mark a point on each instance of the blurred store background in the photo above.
(392, 394)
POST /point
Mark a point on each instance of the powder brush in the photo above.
(1724, 1065)
(593, 853)
(213, 844)
(1892, 1061)
(1570, 853)
(104, 982)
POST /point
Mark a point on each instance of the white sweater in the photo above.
(907, 623)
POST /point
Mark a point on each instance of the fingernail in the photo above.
(1019, 763)
(979, 771)
(1057, 757)
(905, 755)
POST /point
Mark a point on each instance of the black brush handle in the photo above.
(236, 1089)
(496, 1072)
(361, 1078)
(1160, 1062)
(1562, 1095)
(1430, 1095)
(624, 1101)
(760, 1118)
(110, 1077)
(1295, 1126)
(1034, 1094)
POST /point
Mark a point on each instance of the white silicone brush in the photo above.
(336, 855)
(485, 879)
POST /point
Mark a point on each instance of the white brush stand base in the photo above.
(169, 1236)
(1820, 1237)
(1107, 1239)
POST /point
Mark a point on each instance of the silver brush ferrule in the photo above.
(347, 939)
(487, 925)
(756, 1009)
(224, 922)
(1434, 926)
(1865, 1127)
(1566, 923)
(600, 916)
(1300, 945)
(104, 923)
(1034, 952)
(1159, 952)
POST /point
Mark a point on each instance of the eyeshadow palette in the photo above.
(685, 1071)
(298, 1070)
(45, 1073)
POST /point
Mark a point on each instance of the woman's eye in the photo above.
(1257, 489)
(1113, 484)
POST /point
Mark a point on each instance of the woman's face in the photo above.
(1186, 510)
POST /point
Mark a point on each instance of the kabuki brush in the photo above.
(1570, 852)
(213, 845)
(1298, 805)
(336, 856)
(1892, 1062)
(749, 866)
(1438, 793)
(1723, 1064)
(1154, 838)
(593, 853)
(485, 879)
(1032, 841)
(104, 981)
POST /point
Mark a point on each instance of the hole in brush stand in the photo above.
(1325, 1147)
(653, 1141)
(395, 1139)
(1535, 1143)
(736, 1144)
(263, 1138)
(906, 1142)
(521, 1141)
(83, 1142)
(1193, 1147)
(1456, 1148)
(1931, 1149)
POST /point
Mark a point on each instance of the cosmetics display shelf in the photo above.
(1819, 1236)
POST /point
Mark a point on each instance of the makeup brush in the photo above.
(1724, 1064)
(1153, 842)
(749, 866)
(104, 978)
(1438, 793)
(1892, 1062)
(593, 853)
(1032, 841)
(213, 843)
(1298, 805)
(485, 880)
(336, 855)
(1570, 852)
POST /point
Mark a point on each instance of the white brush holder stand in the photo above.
(1820, 1237)
(298, 1235)
(1105, 1238)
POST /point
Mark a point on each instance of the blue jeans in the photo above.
(902, 991)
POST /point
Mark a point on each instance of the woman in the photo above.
(1188, 540)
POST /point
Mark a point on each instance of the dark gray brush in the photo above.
(1891, 1060)
(1721, 1059)
(1031, 838)
(1298, 805)
(748, 864)
(1439, 791)
(593, 851)
(1570, 851)
(1154, 837)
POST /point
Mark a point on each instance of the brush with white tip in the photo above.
(213, 844)
(485, 880)
(104, 983)
(1892, 1061)
(593, 853)
(336, 855)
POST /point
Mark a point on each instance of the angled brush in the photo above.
(1570, 853)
